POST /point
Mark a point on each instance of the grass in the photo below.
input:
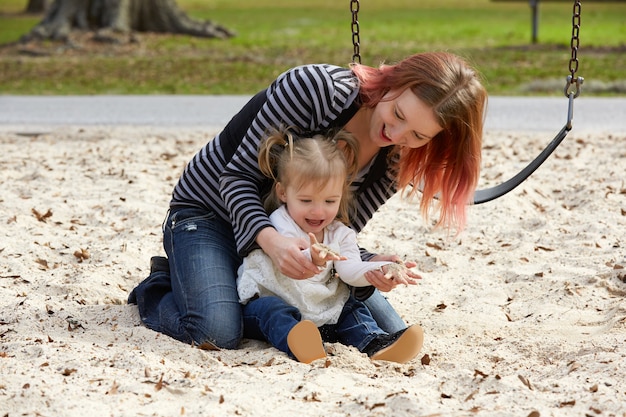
(273, 35)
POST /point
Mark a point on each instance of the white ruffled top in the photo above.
(319, 298)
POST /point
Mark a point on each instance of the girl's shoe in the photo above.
(305, 342)
(398, 347)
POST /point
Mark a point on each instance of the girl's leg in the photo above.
(202, 305)
(384, 314)
(270, 319)
(356, 326)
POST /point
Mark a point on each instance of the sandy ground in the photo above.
(523, 313)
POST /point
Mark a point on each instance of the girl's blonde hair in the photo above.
(448, 167)
(298, 161)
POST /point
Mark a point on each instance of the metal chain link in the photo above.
(356, 38)
(572, 79)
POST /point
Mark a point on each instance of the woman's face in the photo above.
(404, 121)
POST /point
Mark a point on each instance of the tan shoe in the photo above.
(305, 342)
(407, 345)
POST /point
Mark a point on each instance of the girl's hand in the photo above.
(392, 275)
(321, 253)
(286, 253)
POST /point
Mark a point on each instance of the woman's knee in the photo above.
(216, 334)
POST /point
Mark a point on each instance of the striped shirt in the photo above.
(224, 176)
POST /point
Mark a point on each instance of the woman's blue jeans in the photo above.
(271, 319)
(197, 300)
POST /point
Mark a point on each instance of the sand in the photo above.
(523, 313)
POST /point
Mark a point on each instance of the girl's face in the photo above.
(310, 207)
(405, 121)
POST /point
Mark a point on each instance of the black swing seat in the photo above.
(488, 194)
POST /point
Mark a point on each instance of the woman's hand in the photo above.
(286, 253)
(392, 275)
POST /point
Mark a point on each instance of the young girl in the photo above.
(309, 200)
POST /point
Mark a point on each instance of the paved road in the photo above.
(504, 113)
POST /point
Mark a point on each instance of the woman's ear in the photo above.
(280, 192)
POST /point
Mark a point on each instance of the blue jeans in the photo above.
(271, 318)
(384, 314)
(197, 301)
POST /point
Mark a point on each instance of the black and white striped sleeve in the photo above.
(308, 98)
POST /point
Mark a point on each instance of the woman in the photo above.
(416, 122)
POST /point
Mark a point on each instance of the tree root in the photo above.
(120, 16)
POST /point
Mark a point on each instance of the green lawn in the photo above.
(273, 35)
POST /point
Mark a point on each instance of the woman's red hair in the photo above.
(448, 167)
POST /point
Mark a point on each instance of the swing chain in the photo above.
(573, 62)
(356, 38)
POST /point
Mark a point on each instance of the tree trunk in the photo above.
(123, 16)
(36, 6)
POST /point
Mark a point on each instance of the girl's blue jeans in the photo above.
(197, 301)
(271, 318)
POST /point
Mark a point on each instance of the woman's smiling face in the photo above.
(404, 121)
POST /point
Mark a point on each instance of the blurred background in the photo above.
(43, 52)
